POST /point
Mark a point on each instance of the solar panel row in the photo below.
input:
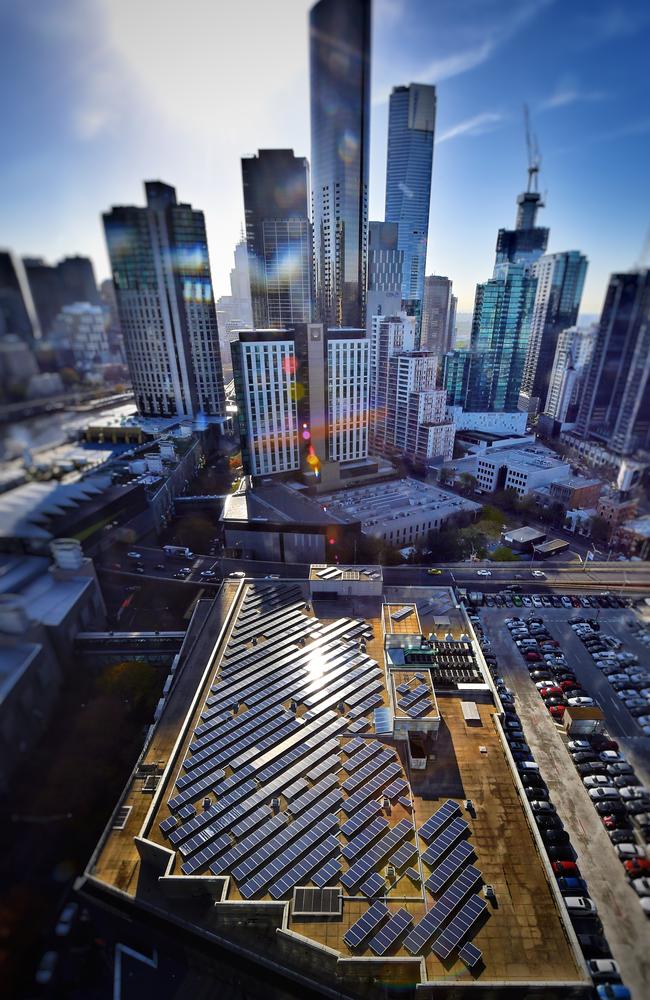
(366, 772)
(376, 854)
(360, 817)
(365, 925)
(450, 866)
(364, 838)
(301, 871)
(439, 914)
(460, 927)
(435, 823)
(327, 873)
(384, 940)
(371, 788)
(444, 841)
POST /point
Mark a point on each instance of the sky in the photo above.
(97, 95)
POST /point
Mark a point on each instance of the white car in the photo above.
(596, 781)
(238, 575)
(581, 701)
(207, 573)
(66, 919)
(628, 851)
(134, 555)
(641, 886)
(645, 905)
(577, 746)
(604, 968)
(635, 793)
(605, 792)
(611, 757)
(483, 572)
(538, 574)
(580, 905)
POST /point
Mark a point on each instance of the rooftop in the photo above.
(639, 526)
(525, 534)
(402, 498)
(272, 777)
(276, 503)
(524, 459)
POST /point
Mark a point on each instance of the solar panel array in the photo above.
(450, 866)
(365, 925)
(439, 914)
(372, 858)
(360, 817)
(470, 955)
(373, 885)
(435, 823)
(460, 927)
(439, 847)
(361, 841)
(384, 940)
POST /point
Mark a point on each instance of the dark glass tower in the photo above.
(340, 116)
(411, 123)
(278, 237)
(17, 312)
(615, 405)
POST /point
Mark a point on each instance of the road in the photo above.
(625, 924)
(559, 577)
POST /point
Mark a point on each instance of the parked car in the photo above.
(594, 944)
(613, 991)
(66, 919)
(604, 970)
(569, 868)
(627, 851)
(580, 906)
(46, 968)
(636, 867)
(573, 885)
(641, 886)
(606, 792)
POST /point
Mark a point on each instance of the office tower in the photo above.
(411, 123)
(390, 335)
(268, 367)
(302, 397)
(385, 261)
(17, 311)
(526, 242)
(560, 280)
(240, 288)
(456, 372)
(54, 286)
(161, 273)
(572, 355)
(499, 339)
(438, 315)
(340, 119)
(278, 237)
(615, 404)
(79, 336)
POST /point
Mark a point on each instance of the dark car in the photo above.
(584, 757)
(601, 743)
(594, 946)
(619, 836)
(537, 794)
(610, 807)
(555, 837)
(548, 822)
(532, 781)
(560, 852)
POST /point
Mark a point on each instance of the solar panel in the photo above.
(365, 837)
(308, 798)
(413, 873)
(296, 788)
(360, 817)
(365, 772)
(439, 847)
(331, 763)
(406, 802)
(459, 927)
(450, 866)
(436, 822)
(375, 855)
(369, 749)
(371, 788)
(203, 857)
(373, 885)
(365, 925)
(301, 870)
(403, 688)
(371, 702)
(402, 857)
(327, 873)
(168, 824)
(359, 726)
(352, 746)
(442, 910)
(470, 955)
(251, 821)
(420, 708)
(185, 812)
(395, 787)
(389, 933)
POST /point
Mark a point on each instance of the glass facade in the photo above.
(278, 237)
(411, 123)
(340, 117)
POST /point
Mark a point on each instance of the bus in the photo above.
(180, 551)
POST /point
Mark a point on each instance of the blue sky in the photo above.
(97, 95)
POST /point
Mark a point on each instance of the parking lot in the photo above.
(623, 920)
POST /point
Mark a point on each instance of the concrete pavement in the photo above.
(624, 922)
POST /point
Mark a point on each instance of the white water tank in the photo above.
(67, 553)
(13, 617)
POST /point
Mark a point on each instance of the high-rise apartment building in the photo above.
(390, 335)
(560, 280)
(615, 404)
(385, 262)
(161, 273)
(411, 124)
(572, 356)
(17, 310)
(303, 396)
(340, 119)
(438, 315)
(278, 237)
(55, 286)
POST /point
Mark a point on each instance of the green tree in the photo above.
(503, 554)
(467, 482)
(600, 529)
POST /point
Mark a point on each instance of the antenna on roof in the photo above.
(534, 155)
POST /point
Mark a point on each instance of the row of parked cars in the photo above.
(629, 679)
(511, 598)
(557, 684)
(573, 887)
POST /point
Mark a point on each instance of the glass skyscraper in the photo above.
(340, 117)
(163, 287)
(278, 237)
(411, 123)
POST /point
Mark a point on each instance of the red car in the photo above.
(533, 657)
(637, 867)
(601, 743)
(612, 822)
(557, 711)
(570, 685)
(565, 868)
(553, 691)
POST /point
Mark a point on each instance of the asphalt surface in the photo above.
(625, 925)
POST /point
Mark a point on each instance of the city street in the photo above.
(626, 926)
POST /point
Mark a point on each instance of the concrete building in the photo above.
(560, 280)
(341, 674)
(161, 273)
(278, 237)
(438, 315)
(409, 163)
(385, 265)
(575, 491)
(634, 536)
(55, 286)
(401, 512)
(339, 33)
(573, 352)
(79, 337)
(278, 522)
(521, 469)
(616, 508)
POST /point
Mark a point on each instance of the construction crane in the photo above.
(534, 155)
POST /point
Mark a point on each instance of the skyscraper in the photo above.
(615, 404)
(438, 315)
(161, 274)
(385, 261)
(340, 118)
(278, 237)
(17, 311)
(560, 280)
(411, 124)
(572, 356)
(55, 286)
(526, 242)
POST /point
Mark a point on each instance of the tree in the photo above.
(467, 482)
(503, 554)
(446, 475)
(69, 377)
(600, 529)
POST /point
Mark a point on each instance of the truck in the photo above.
(180, 551)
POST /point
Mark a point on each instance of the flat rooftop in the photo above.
(525, 459)
(376, 504)
(268, 777)
(275, 503)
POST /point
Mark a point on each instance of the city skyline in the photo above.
(71, 135)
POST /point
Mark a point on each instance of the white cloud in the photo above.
(478, 125)
(567, 93)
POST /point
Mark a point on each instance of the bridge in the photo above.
(153, 646)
